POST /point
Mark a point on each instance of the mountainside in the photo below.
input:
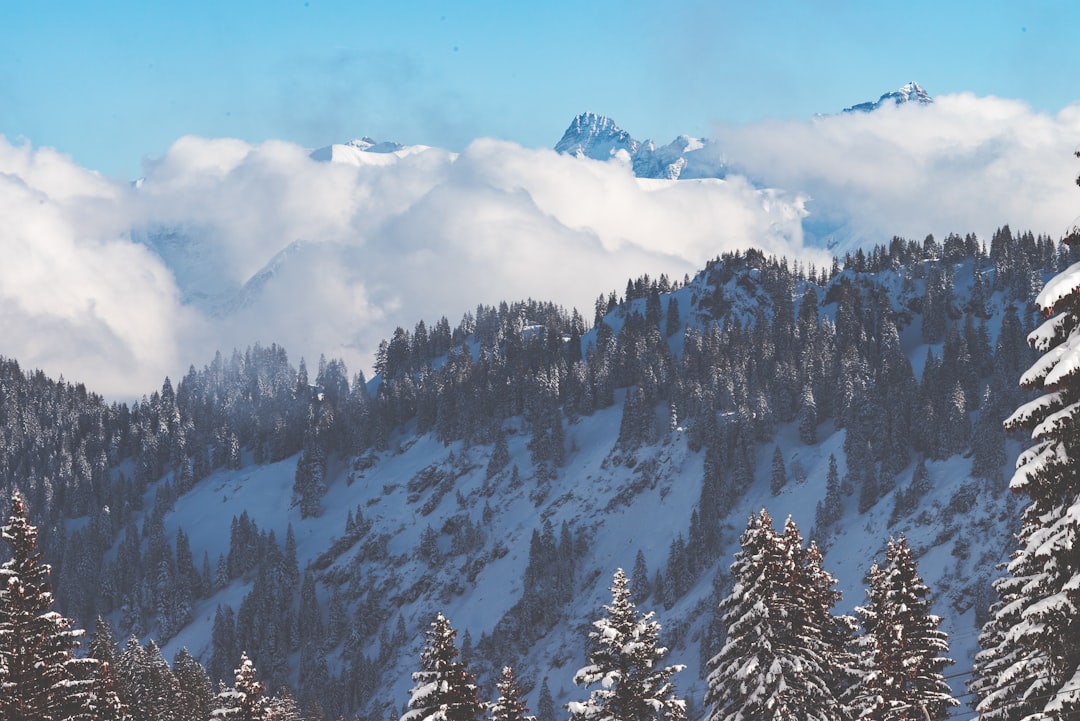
(500, 471)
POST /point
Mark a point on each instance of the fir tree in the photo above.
(903, 649)
(545, 704)
(780, 658)
(624, 664)
(1029, 667)
(830, 508)
(245, 701)
(510, 705)
(445, 690)
(40, 678)
(779, 474)
(196, 694)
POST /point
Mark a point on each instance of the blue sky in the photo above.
(113, 83)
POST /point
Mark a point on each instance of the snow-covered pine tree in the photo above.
(1029, 667)
(779, 477)
(445, 690)
(545, 704)
(40, 677)
(625, 664)
(195, 697)
(510, 705)
(777, 662)
(830, 508)
(903, 649)
(245, 701)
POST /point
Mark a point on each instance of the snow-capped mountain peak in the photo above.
(910, 93)
(365, 151)
(598, 137)
(595, 136)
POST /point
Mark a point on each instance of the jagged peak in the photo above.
(911, 92)
(596, 136)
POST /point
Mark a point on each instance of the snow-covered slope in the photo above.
(613, 502)
(365, 151)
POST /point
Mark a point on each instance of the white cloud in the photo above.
(76, 297)
(963, 164)
(260, 243)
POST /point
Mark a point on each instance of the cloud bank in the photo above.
(225, 244)
(964, 164)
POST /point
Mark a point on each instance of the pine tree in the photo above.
(624, 664)
(500, 454)
(40, 678)
(245, 701)
(779, 474)
(510, 705)
(147, 684)
(1029, 667)
(639, 579)
(780, 659)
(196, 694)
(545, 704)
(903, 649)
(445, 690)
(283, 707)
(830, 508)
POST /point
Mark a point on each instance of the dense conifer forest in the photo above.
(750, 345)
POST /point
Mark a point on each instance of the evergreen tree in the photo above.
(500, 454)
(808, 417)
(105, 703)
(545, 704)
(445, 690)
(40, 678)
(1029, 667)
(903, 649)
(624, 664)
(283, 707)
(639, 579)
(988, 441)
(195, 696)
(780, 658)
(830, 508)
(779, 474)
(510, 705)
(147, 684)
(245, 701)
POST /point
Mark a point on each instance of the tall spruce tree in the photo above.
(445, 690)
(510, 705)
(246, 700)
(1029, 667)
(780, 658)
(40, 677)
(625, 666)
(903, 648)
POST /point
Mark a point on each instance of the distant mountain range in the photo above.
(595, 136)
(598, 137)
